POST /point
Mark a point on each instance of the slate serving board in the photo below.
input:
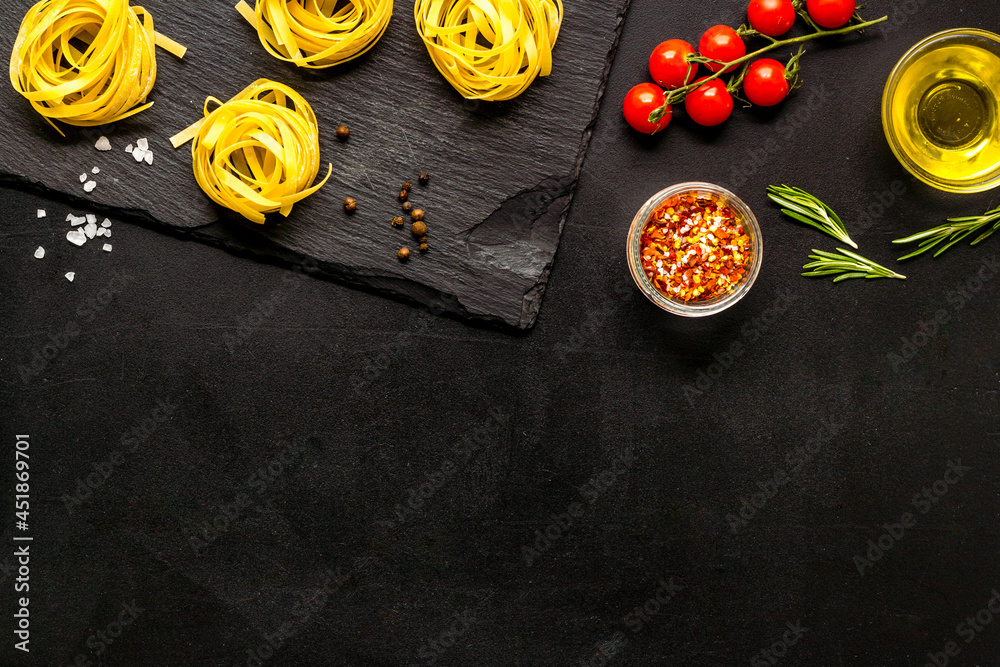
(503, 174)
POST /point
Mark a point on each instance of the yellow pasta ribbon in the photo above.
(490, 49)
(87, 62)
(259, 152)
(318, 33)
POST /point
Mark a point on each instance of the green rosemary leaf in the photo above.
(953, 231)
(798, 204)
(848, 264)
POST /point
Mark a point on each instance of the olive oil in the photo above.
(945, 109)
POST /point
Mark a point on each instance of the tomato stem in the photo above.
(678, 94)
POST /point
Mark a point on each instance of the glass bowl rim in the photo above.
(988, 182)
(696, 309)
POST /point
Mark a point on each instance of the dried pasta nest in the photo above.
(318, 33)
(490, 49)
(87, 62)
(258, 153)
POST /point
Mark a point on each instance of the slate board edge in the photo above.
(220, 236)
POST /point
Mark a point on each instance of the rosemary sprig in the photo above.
(953, 232)
(804, 207)
(847, 264)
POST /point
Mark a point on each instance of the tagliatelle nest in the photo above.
(257, 153)
(490, 49)
(87, 62)
(318, 33)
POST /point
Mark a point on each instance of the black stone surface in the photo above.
(502, 174)
(385, 400)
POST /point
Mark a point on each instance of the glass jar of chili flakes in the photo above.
(694, 249)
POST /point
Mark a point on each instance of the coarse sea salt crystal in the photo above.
(41, 213)
(95, 171)
(90, 230)
(139, 154)
(75, 221)
(76, 237)
(149, 157)
(40, 252)
(107, 247)
(101, 231)
(106, 223)
(83, 178)
(70, 276)
(89, 186)
(128, 149)
(103, 144)
(143, 144)
(91, 218)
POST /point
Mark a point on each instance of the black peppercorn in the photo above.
(407, 206)
(419, 229)
(350, 205)
(422, 239)
(407, 186)
(343, 132)
(397, 221)
(417, 214)
(403, 254)
(403, 195)
(424, 247)
(424, 178)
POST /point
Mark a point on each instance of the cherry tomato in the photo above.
(721, 43)
(771, 17)
(641, 101)
(830, 14)
(668, 66)
(765, 84)
(710, 104)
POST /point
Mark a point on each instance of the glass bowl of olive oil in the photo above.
(940, 110)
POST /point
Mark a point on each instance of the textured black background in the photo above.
(377, 395)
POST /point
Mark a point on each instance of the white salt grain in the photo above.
(91, 218)
(76, 237)
(70, 217)
(90, 230)
(76, 221)
(83, 178)
(107, 233)
(41, 213)
(95, 171)
(107, 247)
(106, 223)
(149, 157)
(70, 276)
(103, 144)
(40, 252)
(143, 144)
(128, 149)
(89, 186)
(139, 154)
(101, 231)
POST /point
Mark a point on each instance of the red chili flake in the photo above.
(694, 248)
